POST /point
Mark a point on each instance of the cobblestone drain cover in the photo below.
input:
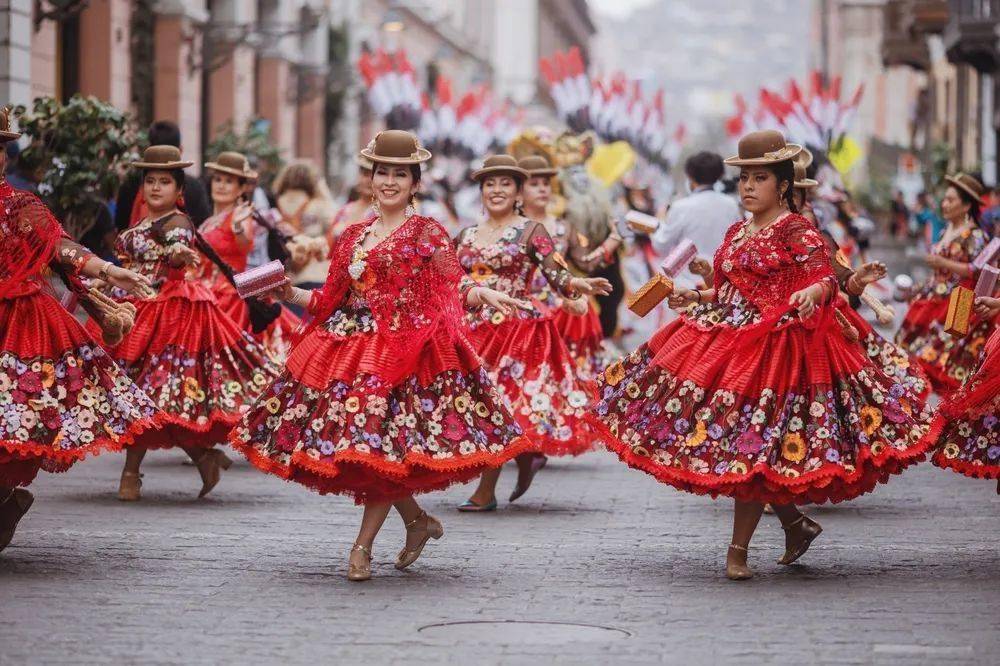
(521, 631)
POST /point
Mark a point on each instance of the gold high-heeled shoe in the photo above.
(738, 571)
(432, 529)
(210, 466)
(809, 530)
(359, 573)
(130, 487)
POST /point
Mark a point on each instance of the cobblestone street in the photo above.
(254, 574)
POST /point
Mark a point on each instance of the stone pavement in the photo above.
(253, 574)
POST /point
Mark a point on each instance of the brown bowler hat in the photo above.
(764, 147)
(805, 158)
(162, 157)
(497, 164)
(967, 184)
(395, 147)
(537, 165)
(801, 182)
(7, 132)
(233, 163)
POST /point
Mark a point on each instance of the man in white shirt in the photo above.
(703, 216)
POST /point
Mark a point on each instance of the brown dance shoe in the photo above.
(735, 570)
(358, 573)
(11, 512)
(130, 486)
(210, 466)
(432, 529)
(799, 535)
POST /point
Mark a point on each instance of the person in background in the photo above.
(928, 221)
(900, 215)
(16, 175)
(990, 220)
(196, 204)
(359, 202)
(308, 209)
(703, 216)
(260, 198)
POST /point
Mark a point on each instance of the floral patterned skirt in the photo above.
(533, 370)
(970, 440)
(331, 423)
(584, 339)
(276, 339)
(893, 360)
(61, 396)
(793, 416)
(199, 367)
(947, 360)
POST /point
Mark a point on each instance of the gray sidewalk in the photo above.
(254, 574)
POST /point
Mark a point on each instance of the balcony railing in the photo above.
(971, 34)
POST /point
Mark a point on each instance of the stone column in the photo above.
(177, 86)
(231, 87)
(105, 64)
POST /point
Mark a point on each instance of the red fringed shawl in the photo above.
(29, 236)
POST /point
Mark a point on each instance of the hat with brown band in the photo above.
(537, 165)
(395, 147)
(805, 158)
(968, 184)
(162, 157)
(233, 163)
(501, 164)
(763, 147)
(801, 181)
(7, 131)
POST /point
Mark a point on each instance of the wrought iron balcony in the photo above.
(971, 34)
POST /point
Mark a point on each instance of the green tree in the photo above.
(76, 153)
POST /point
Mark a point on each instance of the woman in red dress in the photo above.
(523, 351)
(894, 361)
(197, 364)
(948, 359)
(61, 396)
(384, 397)
(754, 392)
(575, 319)
(970, 439)
(230, 232)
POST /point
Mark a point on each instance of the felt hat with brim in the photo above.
(162, 157)
(536, 165)
(395, 147)
(7, 132)
(967, 184)
(365, 163)
(805, 158)
(762, 148)
(495, 165)
(233, 163)
(801, 181)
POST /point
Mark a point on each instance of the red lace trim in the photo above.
(369, 480)
(29, 451)
(966, 468)
(762, 484)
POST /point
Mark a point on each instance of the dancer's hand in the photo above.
(133, 283)
(804, 301)
(591, 286)
(987, 307)
(934, 261)
(681, 298)
(576, 306)
(871, 272)
(182, 255)
(700, 266)
(499, 301)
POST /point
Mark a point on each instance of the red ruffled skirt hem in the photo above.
(370, 480)
(764, 485)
